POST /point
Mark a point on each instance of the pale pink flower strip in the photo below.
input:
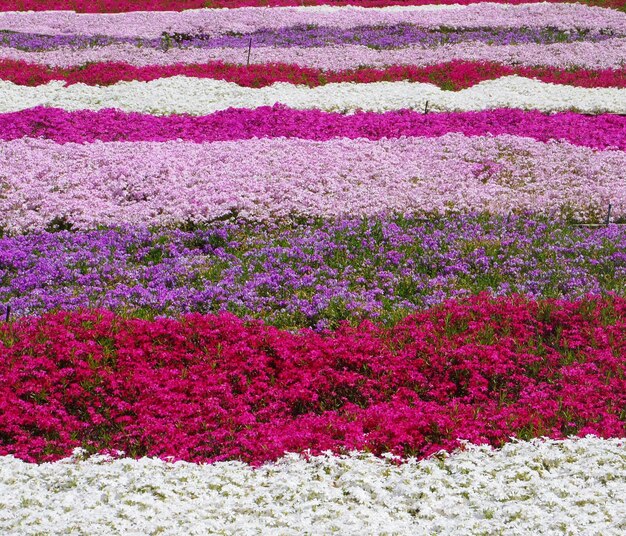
(609, 54)
(154, 183)
(217, 21)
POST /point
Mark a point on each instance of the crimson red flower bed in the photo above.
(453, 75)
(207, 388)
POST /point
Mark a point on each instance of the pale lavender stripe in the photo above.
(217, 21)
(386, 37)
(168, 182)
(610, 54)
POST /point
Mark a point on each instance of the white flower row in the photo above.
(539, 487)
(249, 19)
(200, 96)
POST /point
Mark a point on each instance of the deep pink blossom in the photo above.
(207, 388)
(85, 126)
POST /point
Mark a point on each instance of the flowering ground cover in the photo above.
(606, 54)
(320, 266)
(164, 183)
(453, 75)
(116, 6)
(481, 370)
(522, 488)
(602, 131)
(312, 274)
(229, 22)
(396, 36)
(201, 96)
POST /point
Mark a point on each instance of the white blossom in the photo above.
(200, 96)
(575, 486)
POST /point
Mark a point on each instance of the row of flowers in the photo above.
(212, 388)
(605, 131)
(223, 346)
(167, 183)
(453, 75)
(214, 22)
(117, 6)
(309, 274)
(607, 54)
(569, 486)
(376, 37)
(201, 96)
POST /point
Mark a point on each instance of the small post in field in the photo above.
(608, 215)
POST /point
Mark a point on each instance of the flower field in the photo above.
(312, 267)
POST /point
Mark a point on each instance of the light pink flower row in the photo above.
(609, 54)
(121, 6)
(152, 183)
(219, 21)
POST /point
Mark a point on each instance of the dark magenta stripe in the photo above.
(84, 126)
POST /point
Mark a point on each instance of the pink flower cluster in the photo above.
(86, 126)
(454, 75)
(166, 183)
(213, 22)
(608, 54)
(207, 388)
(117, 6)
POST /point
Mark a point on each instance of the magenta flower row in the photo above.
(207, 388)
(84, 126)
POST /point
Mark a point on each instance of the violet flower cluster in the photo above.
(395, 36)
(313, 273)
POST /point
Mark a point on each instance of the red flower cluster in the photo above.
(118, 6)
(454, 75)
(207, 388)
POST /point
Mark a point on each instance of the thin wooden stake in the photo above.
(7, 314)
(426, 108)
(608, 216)
(249, 50)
